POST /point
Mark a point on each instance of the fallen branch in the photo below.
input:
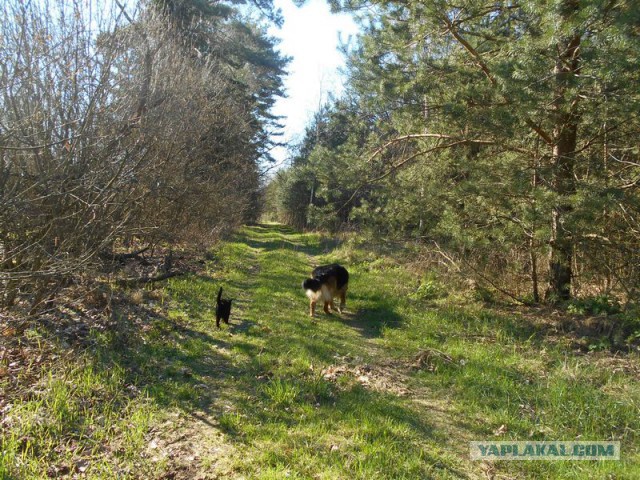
(131, 282)
(119, 257)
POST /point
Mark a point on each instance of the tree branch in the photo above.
(131, 282)
(487, 71)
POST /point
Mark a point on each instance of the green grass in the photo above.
(257, 399)
(76, 420)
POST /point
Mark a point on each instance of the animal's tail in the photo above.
(219, 294)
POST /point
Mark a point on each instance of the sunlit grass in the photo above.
(261, 382)
(501, 373)
(102, 428)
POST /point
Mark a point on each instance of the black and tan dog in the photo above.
(327, 283)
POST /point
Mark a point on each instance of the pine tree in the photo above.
(522, 115)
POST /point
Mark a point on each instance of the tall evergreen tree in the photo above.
(503, 129)
(522, 83)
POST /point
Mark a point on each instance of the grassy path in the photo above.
(394, 388)
(298, 398)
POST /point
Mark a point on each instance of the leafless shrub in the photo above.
(110, 128)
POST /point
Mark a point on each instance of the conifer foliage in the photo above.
(504, 133)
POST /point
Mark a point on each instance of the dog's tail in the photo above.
(219, 294)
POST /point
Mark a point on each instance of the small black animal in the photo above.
(326, 283)
(223, 309)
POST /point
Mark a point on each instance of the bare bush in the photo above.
(110, 128)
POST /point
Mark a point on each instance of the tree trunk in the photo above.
(533, 258)
(560, 261)
(563, 160)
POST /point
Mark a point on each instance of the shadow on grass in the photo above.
(270, 228)
(370, 322)
(174, 364)
(240, 325)
(307, 413)
(490, 325)
(182, 360)
(200, 295)
(274, 237)
(289, 411)
(544, 326)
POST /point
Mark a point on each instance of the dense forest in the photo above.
(126, 126)
(502, 136)
(477, 185)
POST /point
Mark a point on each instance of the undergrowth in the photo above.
(394, 388)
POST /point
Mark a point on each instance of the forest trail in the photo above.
(294, 396)
(395, 387)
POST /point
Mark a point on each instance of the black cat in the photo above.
(223, 309)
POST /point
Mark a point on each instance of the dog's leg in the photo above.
(343, 300)
(312, 309)
(326, 307)
(217, 321)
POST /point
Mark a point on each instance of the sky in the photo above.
(310, 35)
